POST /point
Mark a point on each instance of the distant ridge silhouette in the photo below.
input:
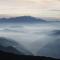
(22, 19)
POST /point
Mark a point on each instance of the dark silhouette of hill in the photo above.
(22, 19)
(8, 45)
(8, 51)
(11, 56)
(11, 49)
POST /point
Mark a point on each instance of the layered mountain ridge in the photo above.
(11, 46)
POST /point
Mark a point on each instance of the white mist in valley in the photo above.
(32, 36)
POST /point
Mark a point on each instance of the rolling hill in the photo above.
(9, 45)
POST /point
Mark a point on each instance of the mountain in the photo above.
(9, 45)
(52, 49)
(22, 19)
(10, 49)
(49, 46)
(11, 56)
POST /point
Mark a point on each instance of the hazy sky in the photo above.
(40, 8)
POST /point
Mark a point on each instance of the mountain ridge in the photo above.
(9, 45)
(21, 19)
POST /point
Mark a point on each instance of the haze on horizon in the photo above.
(38, 8)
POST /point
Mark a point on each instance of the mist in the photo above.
(32, 36)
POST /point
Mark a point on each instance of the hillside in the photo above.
(9, 45)
(51, 49)
(5, 55)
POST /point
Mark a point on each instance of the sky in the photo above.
(38, 8)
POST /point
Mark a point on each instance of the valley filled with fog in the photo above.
(40, 38)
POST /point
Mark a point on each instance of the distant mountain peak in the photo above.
(22, 19)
